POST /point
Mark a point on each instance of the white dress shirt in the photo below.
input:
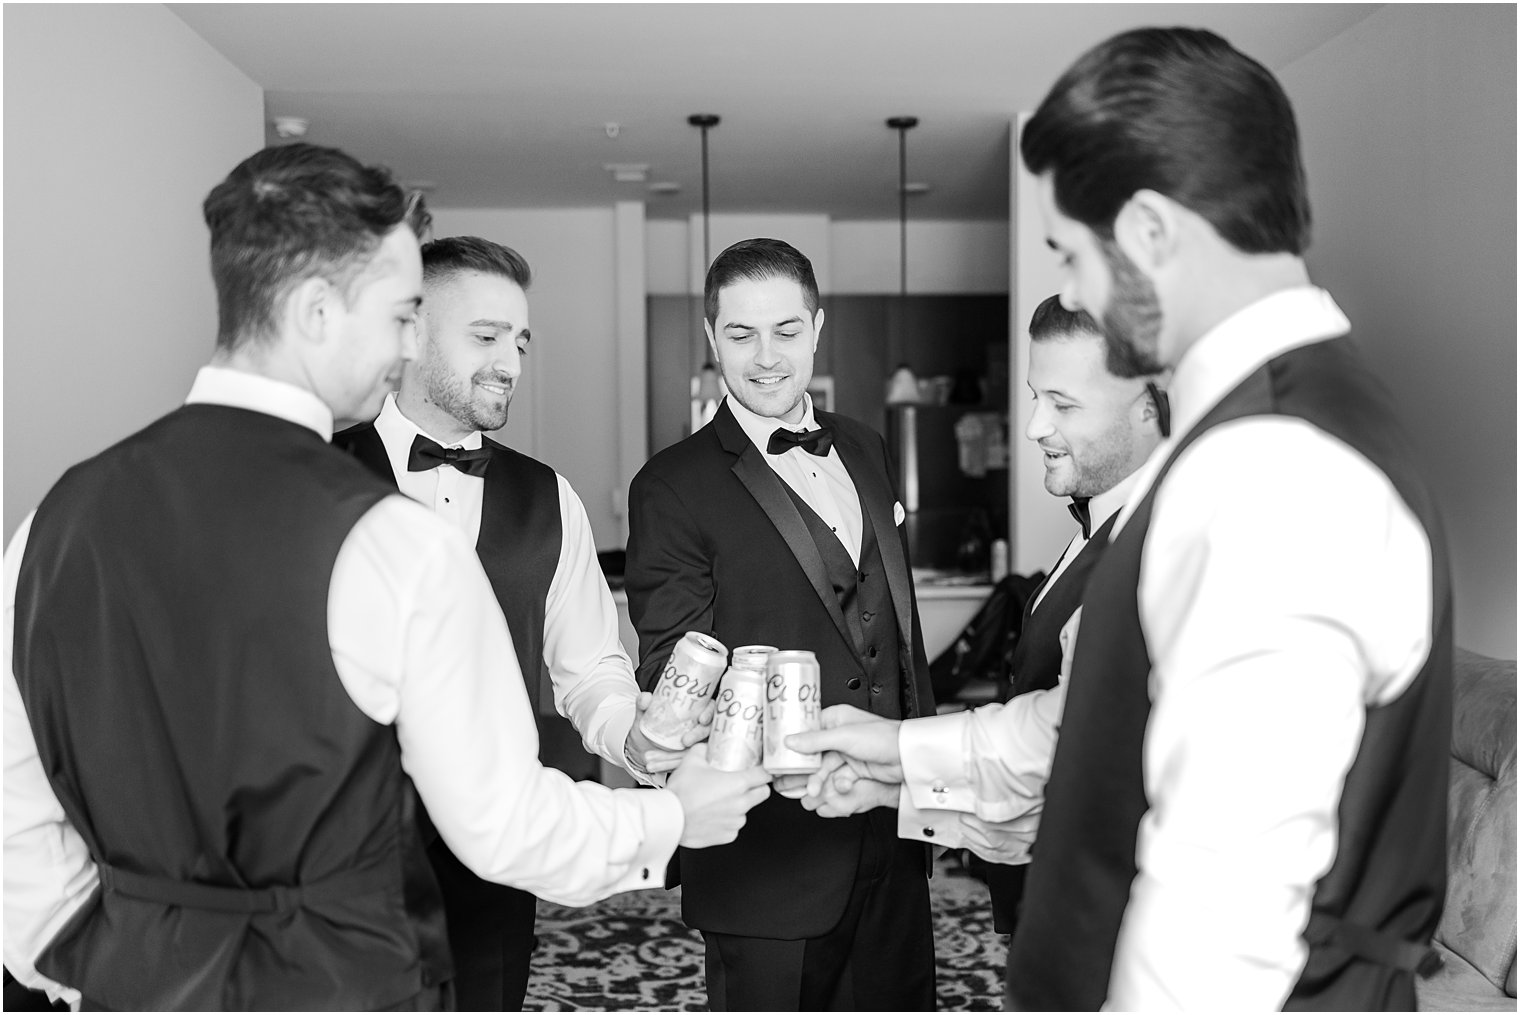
(990, 762)
(589, 669)
(1284, 589)
(419, 641)
(822, 481)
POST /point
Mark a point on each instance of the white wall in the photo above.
(1408, 124)
(945, 257)
(566, 411)
(118, 120)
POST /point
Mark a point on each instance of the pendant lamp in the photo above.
(706, 388)
(902, 387)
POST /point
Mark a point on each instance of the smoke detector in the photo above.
(290, 126)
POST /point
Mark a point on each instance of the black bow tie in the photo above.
(1078, 509)
(429, 454)
(814, 442)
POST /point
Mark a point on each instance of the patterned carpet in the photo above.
(633, 953)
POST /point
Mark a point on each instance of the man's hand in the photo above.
(1001, 841)
(715, 802)
(644, 756)
(867, 742)
(842, 792)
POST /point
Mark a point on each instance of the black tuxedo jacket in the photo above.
(717, 545)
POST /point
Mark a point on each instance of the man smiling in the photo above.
(776, 524)
(534, 540)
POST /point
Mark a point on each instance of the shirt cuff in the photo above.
(933, 752)
(664, 821)
(942, 828)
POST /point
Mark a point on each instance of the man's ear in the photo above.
(712, 343)
(1147, 229)
(308, 309)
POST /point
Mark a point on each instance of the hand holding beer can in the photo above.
(792, 705)
(685, 686)
(737, 736)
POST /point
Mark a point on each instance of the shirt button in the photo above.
(929, 832)
(853, 683)
(645, 874)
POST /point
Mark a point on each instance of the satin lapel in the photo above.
(766, 487)
(876, 502)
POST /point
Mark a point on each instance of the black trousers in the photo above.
(490, 934)
(879, 957)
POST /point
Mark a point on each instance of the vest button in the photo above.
(853, 683)
(872, 653)
(866, 616)
(875, 688)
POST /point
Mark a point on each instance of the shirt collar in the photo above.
(1104, 505)
(396, 428)
(242, 390)
(759, 428)
(1235, 347)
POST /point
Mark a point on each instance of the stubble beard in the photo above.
(1132, 320)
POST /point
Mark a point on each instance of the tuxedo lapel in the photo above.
(364, 443)
(876, 503)
(769, 492)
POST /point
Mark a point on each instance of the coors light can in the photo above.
(791, 706)
(738, 727)
(686, 684)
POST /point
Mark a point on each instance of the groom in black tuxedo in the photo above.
(777, 524)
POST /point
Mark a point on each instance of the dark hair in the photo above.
(453, 255)
(758, 260)
(1050, 321)
(290, 213)
(1181, 112)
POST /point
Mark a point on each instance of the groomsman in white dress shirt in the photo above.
(536, 545)
(976, 778)
(234, 658)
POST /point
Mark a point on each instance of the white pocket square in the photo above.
(898, 514)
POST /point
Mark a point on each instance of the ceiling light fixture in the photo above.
(290, 126)
(706, 391)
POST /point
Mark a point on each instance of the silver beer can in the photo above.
(685, 687)
(738, 728)
(792, 705)
(752, 657)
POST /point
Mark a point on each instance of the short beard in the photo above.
(1132, 322)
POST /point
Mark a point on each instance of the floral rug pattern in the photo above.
(632, 952)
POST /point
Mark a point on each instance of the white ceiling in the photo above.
(504, 105)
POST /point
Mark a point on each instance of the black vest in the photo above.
(1373, 913)
(519, 543)
(1036, 667)
(253, 828)
(866, 602)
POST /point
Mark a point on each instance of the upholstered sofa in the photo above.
(1476, 937)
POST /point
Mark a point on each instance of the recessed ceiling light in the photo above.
(291, 126)
(426, 186)
(912, 189)
(628, 172)
(665, 188)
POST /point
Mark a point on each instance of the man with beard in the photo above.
(976, 779)
(534, 540)
(1248, 797)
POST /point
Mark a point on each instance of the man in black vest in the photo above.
(976, 779)
(777, 524)
(231, 652)
(535, 543)
(1248, 797)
